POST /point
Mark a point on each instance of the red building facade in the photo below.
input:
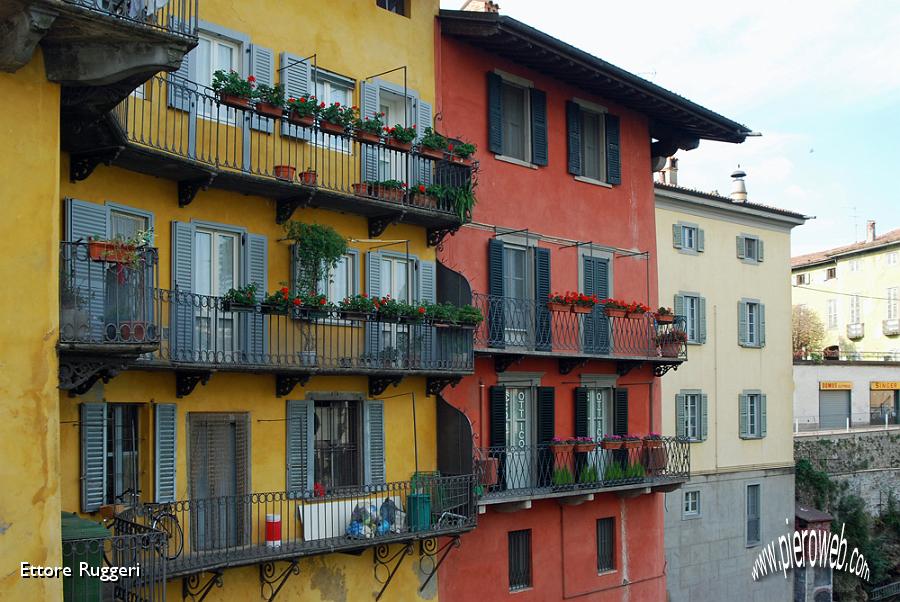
(567, 145)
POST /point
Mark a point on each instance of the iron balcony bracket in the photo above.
(435, 384)
(567, 364)
(436, 235)
(383, 558)
(188, 189)
(81, 165)
(285, 383)
(661, 369)
(269, 583)
(186, 381)
(193, 588)
(77, 374)
(429, 549)
(623, 367)
(284, 208)
(378, 384)
(502, 362)
(379, 223)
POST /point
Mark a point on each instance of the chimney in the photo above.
(870, 231)
(738, 189)
(670, 171)
(481, 6)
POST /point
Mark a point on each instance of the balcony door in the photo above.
(216, 270)
(392, 165)
(517, 312)
(599, 423)
(521, 458)
(396, 283)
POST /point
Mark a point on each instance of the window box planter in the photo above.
(615, 313)
(584, 448)
(357, 316)
(467, 326)
(367, 137)
(652, 443)
(461, 160)
(665, 318)
(410, 319)
(272, 309)
(234, 306)
(611, 444)
(331, 128)
(632, 444)
(267, 109)
(431, 153)
(308, 177)
(400, 146)
(441, 323)
(110, 251)
(285, 172)
(306, 121)
(560, 307)
(375, 191)
(562, 456)
(635, 315)
(424, 200)
(234, 101)
(670, 348)
(582, 309)
(309, 314)
(488, 471)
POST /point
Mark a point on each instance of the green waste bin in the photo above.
(82, 542)
(419, 507)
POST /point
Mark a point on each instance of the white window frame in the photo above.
(891, 258)
(207, 110)
(349, 262)
(692, 318)
(892, 296)
(692, 412)
(754, 414)
(329, 81)
(690, 507)
(748, 256)
(831, 310)
(854, 265)
(855, 309)
(753, 323)
(689, 232)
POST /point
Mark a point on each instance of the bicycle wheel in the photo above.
(167, 522)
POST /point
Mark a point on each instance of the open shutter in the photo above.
(701, 240)
(181, 337)
(296, 80)
(620, 412)
(374, 424)
(373, 289)
(496, 300)
(742, 323)
(679, 415)
(495, 113)
(497, 411)
(759, 249)
(704, 422)
(613, 159)
(543, 338)
(427, 295)
(740, 246)
(679, 305)
(423, 168)
(93, 455)
(178, 84)
(165, 436)
(581, 412)
(539, 154)
(573, 138)
(762, 325)
(677, 236)
(424, 117)
(744, 410)
(256, 269)
(701, 319)
(300, 439)
(85, 220)
(369, 98)
(262, 67)
(762, 415)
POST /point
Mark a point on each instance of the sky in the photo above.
(819, 81)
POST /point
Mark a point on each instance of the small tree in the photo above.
(807, 330)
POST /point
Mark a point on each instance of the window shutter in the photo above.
(742, 323)
(679, 414)
(496, 299)
(596, 325)
(373, 289)
(299, 446)
(701, 240)
(424, 117)
(262, 67)
(762, 415)
(679, 305)
(93, 456)
(620, 413)
(543, 336)
(573, 131)
(369, 94)
(613, 161)
(704, 421)
(538, 127)
(426, 295)
(677, 236)
(182, 318)
(295, 75)
(744, 415)
(422, 167)
(546, 414)
(165, 436)
(739, 241)
(179, 84)
(759, 249)
(497, 398)
(495, 113)
(762, 325)
(83, 221)
(581, 412)
(701, 319)
(374, 424)
(256, 269)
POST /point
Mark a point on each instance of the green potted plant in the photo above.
(241, 299)
(469, 316)
(432, 144)
(233, 90)
(462, 152)
(368, 129)
(270, 100)
(389, 310)
(441, 314)
(584, 445)
(412, 313)
(311, 306)
(613, 472)
(277, 303)
(317, 249)
(335, 118)
(559, 303)
(665, 315)
(588, 475)
(400, 137)
(426, 196)
(461, 199)
(584, 304)
(385, 190)
(303, 110)
(562, 478)
(125, 251)
(635, 470)
(358, 307)
(614, 308)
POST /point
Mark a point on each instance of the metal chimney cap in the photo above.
(738, 173)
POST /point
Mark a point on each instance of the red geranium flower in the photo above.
(284, 291)
(322, 301)
(422, 188)
(421, 310)
(297, 301)
(251, 79)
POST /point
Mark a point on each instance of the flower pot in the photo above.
(411, 319)
(635, 315)
(331, 128)
(655, 460)
(611, 444)
(652, 443)
(582, 309)
(362, 189)
(431, 153)
(359, 316)
(271, 309)
(615, 313)
(665, 318)
(467, 326)
(267, 109)
(461, 160)
(670, 348)
(488, 470)
(234, 101)
(397, 145)
(110, 251)
(632, 444)
(584, 448)
(305, 121)
(234, 306)
(562, 307)
(420, 199)
(285, 172)
(367, 137)
(308, 177)
(562, 455)
(394, 195)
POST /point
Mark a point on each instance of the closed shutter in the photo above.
(742, 323)
(701, 319)
(759, 250)
(374, 446)
(740, 247)
(86, 220)
(573, 138)
(701, 240)
(679, 414)
(496, 300)
(299, 442)
(262, 67)
(427, 295)
(581, 412)
(165, 436)
(834, 409)
(762, 324)
(178, 84)
(181, 324)
(256, 269)
(497, 411)
(423, 169)
(543, 338)
(744, 410)
(595, 272)
(495, 113)
(539, 154)
(369, 99)
(296, 80)
(762, 415)
(620, 412)
(704, 421)
(546, 414)
(93, 456)
(373, 289)
(613, 160)
(677, 236)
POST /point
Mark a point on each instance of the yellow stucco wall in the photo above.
(29, 319)
(721, 368)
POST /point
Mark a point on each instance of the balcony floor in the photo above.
(513, 496)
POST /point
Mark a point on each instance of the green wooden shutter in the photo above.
(295, 75)
(181, 322)
(497, 412)
(742, 323)
(369, 103)
(704, 420)
(701, 319)
(573, 137)
(701, 240)
(93, 456)
(543, 338)
(739, 243)
(496, 300)
(613, 159)
(495, 113)
(620, 412)
(546, 414)
(165, 437)
(374, 425)
(680, 401)
(256, 269)
(759, 249)
(581, 412)
(262, 67)
(762, 325)
(677, 236)
(762, 415)
(299, 447)
(373, 289)
(744, 408)
(539, 153)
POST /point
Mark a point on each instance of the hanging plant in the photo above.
(317, 251)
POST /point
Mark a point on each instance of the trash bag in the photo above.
(388, 511)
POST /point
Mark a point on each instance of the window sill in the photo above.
(749, 261)
(688, 251)
(697, 343)
(515, 161)
(592, 181)
(609, 572)
(752, 437)
(690, 516)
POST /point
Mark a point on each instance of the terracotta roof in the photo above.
(729, 201)
(828, 254)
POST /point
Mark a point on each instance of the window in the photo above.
(515, 289)
(832, 313)
(342, 281)
(691, 504)
(216, 270)
(593, 141)
(215, 53)
(801, 279)
(125, 224)
(330, 89)
(606, 551)
(891, 258)
(751, 323)
(122, 467)
(396, 282)
(753, 513)
(749, 248)
(691, 416)
(752, 415)
(692, 317)
(892, 303)
(519, 560)
(395, 6)
(750, 251)
(516, 108)
(854, 265)
(599, 412)
(855, 312)
(337, 443)
(830, 273)
(688, 237)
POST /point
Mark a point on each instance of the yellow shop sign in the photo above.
(835, 385)
(884, 385)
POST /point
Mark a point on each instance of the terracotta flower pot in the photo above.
(634, 444)
(582, 309)
(305, 121)
(109, 251)
(394, 195)
(615, 313)
(562, 455)
(308, 177)
(367, 137)
(331, 128)
(584, 448)
(431, 153)
(670, 348)
(461, 160)
(420, 199)
(397, 145)
(652, 443)
(635, 315)
(611, 444)
(285, 172)
(233, 101)
(361, 189)
(267, 109)
(665, 318)
(561, 307)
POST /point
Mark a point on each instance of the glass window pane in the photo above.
(226, 259)
(387, 279)
(225, 57)
(204, 68)
(402, 280)
(203, 263)
(590, 135)
(514, 118)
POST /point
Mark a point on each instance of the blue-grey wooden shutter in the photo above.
(739, 242)
(701, 240)
(86, 220)
(762, 324)
(744, 409)
(679, 305)
(179, 90)
(573, 137)
(539, 153)
(256, 270)
(620, 412)
(262, 67)
(495, 113)
(423, 168)
(427, 295)
(677, 236)
(762, 415)
(543, 337)
(613, 158)
(581, 412)
(496, 300)
(166, 433)
(299, 447)
(759, 249)
(369, 102)
(596, 324)
(93, 456)
(181, 320)
(704, 416)
(701, 319)
(374, 446)
(424, 117)
(679, 414)
(742, 323)
(373, 289)
(296, 79)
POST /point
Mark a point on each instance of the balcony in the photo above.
(856, 331)
(890, 328)
(521, 473)
(179, 130)
(519, 327)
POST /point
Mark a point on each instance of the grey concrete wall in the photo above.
(707, 558)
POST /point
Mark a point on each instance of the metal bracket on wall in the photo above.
(379, 223)
(193, 588)
(435, 384)
(661, 369)
(436, 235)
(383, 558)
(186, 381)
(623, 367)
(284, 208)
(81, 165)
(567, 364)
(270, 583)
(77, 374)
(188, 189)
(429, 549)
(504, 361)
(285, 383)
(378, 384)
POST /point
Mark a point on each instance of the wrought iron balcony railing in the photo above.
(526, 325)
(545, 470)
(207, 534)
(177, 17)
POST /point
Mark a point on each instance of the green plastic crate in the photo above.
(74, 528)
